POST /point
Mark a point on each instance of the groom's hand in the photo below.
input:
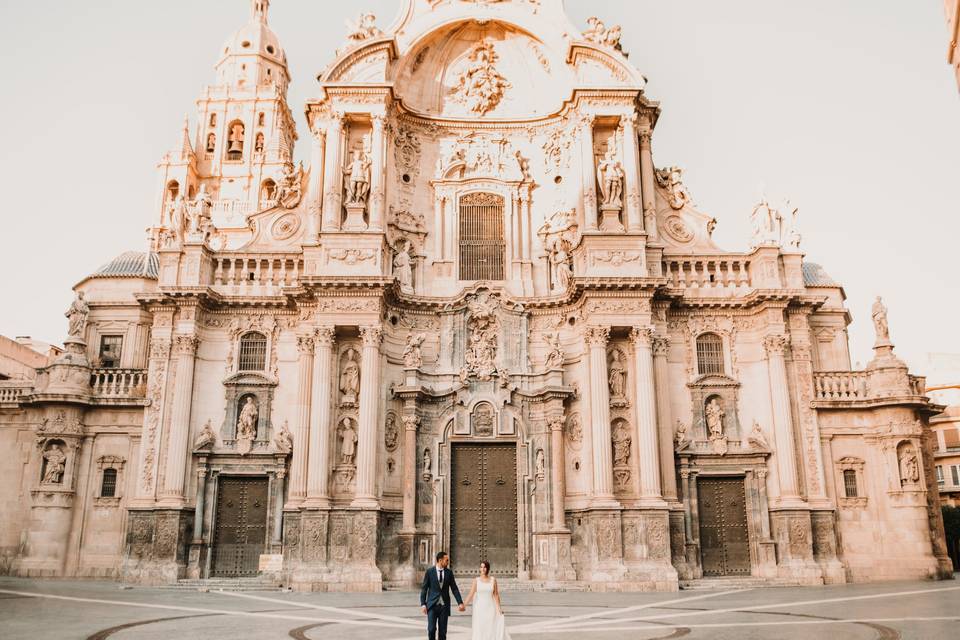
(423, 610)
(462, 607)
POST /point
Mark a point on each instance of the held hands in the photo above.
(461, 607)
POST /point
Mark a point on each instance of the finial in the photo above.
(258, 10)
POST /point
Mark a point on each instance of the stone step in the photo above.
(225, 584)
(746, 582)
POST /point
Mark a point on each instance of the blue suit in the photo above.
(436, 598)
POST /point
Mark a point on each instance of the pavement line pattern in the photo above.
(592, 625)
(225, 612)
(772, 623)
(596, 614)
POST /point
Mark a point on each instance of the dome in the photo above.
(255, 37)
(130, 264)
(815, 275)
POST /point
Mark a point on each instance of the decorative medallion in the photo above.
(480, 86)
(678, 230)
(285, 226)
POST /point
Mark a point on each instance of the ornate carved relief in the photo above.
(574, 431)
(480, 86)
(671, 179)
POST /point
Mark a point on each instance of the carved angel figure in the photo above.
(671, 179)
(610, 177)
(412, 358)
(598, 33)
(77, 316)
(555, 356)
(348, 441)
(363, 28)
(284, 439)
(206, 436)
(289, 190)
(56, 465)
(880, 326)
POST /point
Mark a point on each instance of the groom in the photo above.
(435, 596)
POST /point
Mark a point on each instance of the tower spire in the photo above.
(259, 9)
(186, 148)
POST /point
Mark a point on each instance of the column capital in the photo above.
(371, 336)
(629, 120)
(597, 336)
(185, 344)
(642, 336)
(378, 120)
(646, 136)
(305, 345)
(410, 422)
(324, 336)
(775, 344)
(556, 422)
(318, 132)
(661, 346)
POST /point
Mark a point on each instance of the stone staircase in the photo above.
(226, 584)
(745, 582)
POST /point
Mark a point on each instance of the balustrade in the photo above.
(118, 383)
(12, 390)
(256, 274)
(840, 385)
(707, 272)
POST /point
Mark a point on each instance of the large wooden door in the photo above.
(483, 507)
(240, 530)
(724, 542)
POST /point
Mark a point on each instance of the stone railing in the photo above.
(918, 385)
(108, 382)
(727, 273)
(233, 213)
(12, 390)
(840, 385)
(256, 273)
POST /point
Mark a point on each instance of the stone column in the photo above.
(646, 404)
(317, 151)
(782, 419)
(317, 472)
(597, 338)
(377, 174)
(158, 370)
(277, 538)
(333, 190)
(198, 505)
(558, 486)
(410, 422)
(438, 227)
(589, 173)
(369, 411)
(185, 349)
(647, 183)
(298, 463)
(631, 169)
(661, 371)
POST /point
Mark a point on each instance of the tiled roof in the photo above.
(816, 276)
(131, 264)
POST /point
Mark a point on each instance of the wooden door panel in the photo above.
(241, 527)
(724, 539)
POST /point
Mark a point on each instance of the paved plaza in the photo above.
(78, 610)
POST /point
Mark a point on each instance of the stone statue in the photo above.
(714, 413)
(598, 33)
(56, 465)
(909, 466)
(401, 267)
(427, 466)
(560, 260)
(610, 177)
(767, 224)
(350, 379)
(358, 172)
(756, 437)
(680, 437)
(206, 437)
(284, 439)
(621, 446)
(77, 316)
(412, 358)
(539, 465)
(348, 441)
(671, 179)
(363, 28)
(880, 326)
(391, 434)
(555, 356)
(617, 375)
(289, 190)
(198, 211)
(247, 425)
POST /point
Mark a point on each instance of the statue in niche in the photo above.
(555, 356)
(289, 189)
(235, 138)
(178, 215)
(617, 375)
(391, 433)
(77, 316)
(412, 357)
(358, 177)
(621, 445)
(350, 379)
(427, 466)
(610, 177)
(880, 326)
(247, 426)
(539, 466)
(198, 212)
(401, 267)
(714, 415)
(206, 437)
(561, 273)
(56, 461)
(480, 86)
(909, 466)
(283, 441)
(483, 420)
(348, 441)
(258, 144)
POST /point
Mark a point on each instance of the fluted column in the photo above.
(318, 496)
(646, 403)
(631, 169)
(185, 350)
(589, 173)
(317, 151)
(369, 410)
(298, 463)
(782, 419)
(661, 374)
(377, 190)
(647, 185)
(597, 338)
(558, 488)
(410, 422)
(333, 191)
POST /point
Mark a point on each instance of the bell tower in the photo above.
(244, 134)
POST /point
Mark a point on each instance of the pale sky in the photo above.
(847, 107)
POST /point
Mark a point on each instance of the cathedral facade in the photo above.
(478, 320)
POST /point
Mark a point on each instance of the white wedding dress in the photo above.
(487, 623)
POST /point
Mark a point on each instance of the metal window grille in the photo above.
(108, 488)
(481, 237)
(955, 472)
(709, 354)
(253, 352)
(850, 483)
(110, 347)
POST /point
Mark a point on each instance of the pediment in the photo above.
(249, 379)
(714, 380)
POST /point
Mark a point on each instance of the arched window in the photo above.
(481, 237)
(268, 191)
(108, 486)
(261, 117)
(709, 354)
(235, 135)
(253, 351)
(849, 483)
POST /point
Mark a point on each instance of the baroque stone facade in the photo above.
(478, 320)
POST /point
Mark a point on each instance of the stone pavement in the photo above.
(68, 610)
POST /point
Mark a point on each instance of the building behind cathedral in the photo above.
(479, 320)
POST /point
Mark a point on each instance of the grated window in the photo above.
(850, 483)
(481, 237)
(253, 352)
(108, 488)
(110, 347)
(709, 354)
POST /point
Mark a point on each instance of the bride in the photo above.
(488, 622)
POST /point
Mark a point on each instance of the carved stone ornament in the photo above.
(247, 426)
(206, 438)
(756, 437)
(671, 179)
(363, 28)
(391, 433)
(574, 431)
(283, 441)
(347, 436)
(555, 355)
(677, 229)
(352, 256)
(412, 356)
(598, 33)
(483, 420)
(77, 316)
(680, 436)
(480, 86)
(484, 327)
(406, 151)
